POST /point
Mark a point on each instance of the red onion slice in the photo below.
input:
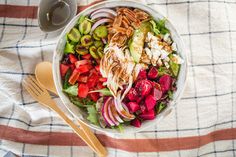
(106, 10)
(98, 23)
(111, 114)
(103, 14)
(105, 112)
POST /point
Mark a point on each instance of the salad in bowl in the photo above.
(120, 66)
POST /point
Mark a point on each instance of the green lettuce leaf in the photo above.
(92, 115)
(72, 90)
(69, 48)
(66, 84)
(104, 91)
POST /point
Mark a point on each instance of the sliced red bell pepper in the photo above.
(83, 90)
(72, 58)
(100, 85)
(74, 77)
(94, 96)
(63, 69)
(87, 56)
(83, 78)
(92, 80)
(97, 67)
(82, 62)
(103, 79)
(72, 67)
(84, 68)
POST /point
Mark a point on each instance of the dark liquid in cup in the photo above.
(59, 13)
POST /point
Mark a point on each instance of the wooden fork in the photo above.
(42, 96)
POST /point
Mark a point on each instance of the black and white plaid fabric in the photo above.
(202, 124)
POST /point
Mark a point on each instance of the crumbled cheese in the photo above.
(174, 46)
(177, 59)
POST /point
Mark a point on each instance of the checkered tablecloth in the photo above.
(202, 124)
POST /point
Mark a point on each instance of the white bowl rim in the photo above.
(158, 118)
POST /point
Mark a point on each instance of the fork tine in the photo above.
(31, 84)
(37, 84)
(30, 90)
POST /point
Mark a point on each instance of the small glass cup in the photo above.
(53, 15)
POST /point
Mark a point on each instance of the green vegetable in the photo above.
(81, 50)
(74, 35)
(101, 31)
(98, 44)
(100, 52)
(72, 90)
(88, 101)
(77, 102)
(173, 66)
(163, 71)
(81, 19)
(154, 27)
(85, 27)
(86, 40)
(120, 127)
(170, 94)
(66, 84)
(69, 48)
(159, 26)
(137, 43)
(93, 52)
(104, 91)
(160, 107)
(96, 37)
(92, 115)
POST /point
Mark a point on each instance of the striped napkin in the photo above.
(202, 124)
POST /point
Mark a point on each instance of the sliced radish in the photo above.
(106, 10)
(102, 14)
(105, 112)
(98, 23)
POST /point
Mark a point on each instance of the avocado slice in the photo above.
(137, 43)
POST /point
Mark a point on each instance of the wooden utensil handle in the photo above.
(76, 129)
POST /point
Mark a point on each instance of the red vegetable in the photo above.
(147, 115)
(83, 79)
(102, 79)
(136, 123)
(72, 67)
(132, 95)
(72, 58)
(133, 107)
(87, 56)
(142, 75)
(165, 82)
(97, 67)
(82, 62)
(153, 73)
(150, 102)
(143, 87)
(63, 69)
(92, 80)
(74, 77)
(94, 96)
(100, 85)
(83, 90)
(157, 94)
(84, 68)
